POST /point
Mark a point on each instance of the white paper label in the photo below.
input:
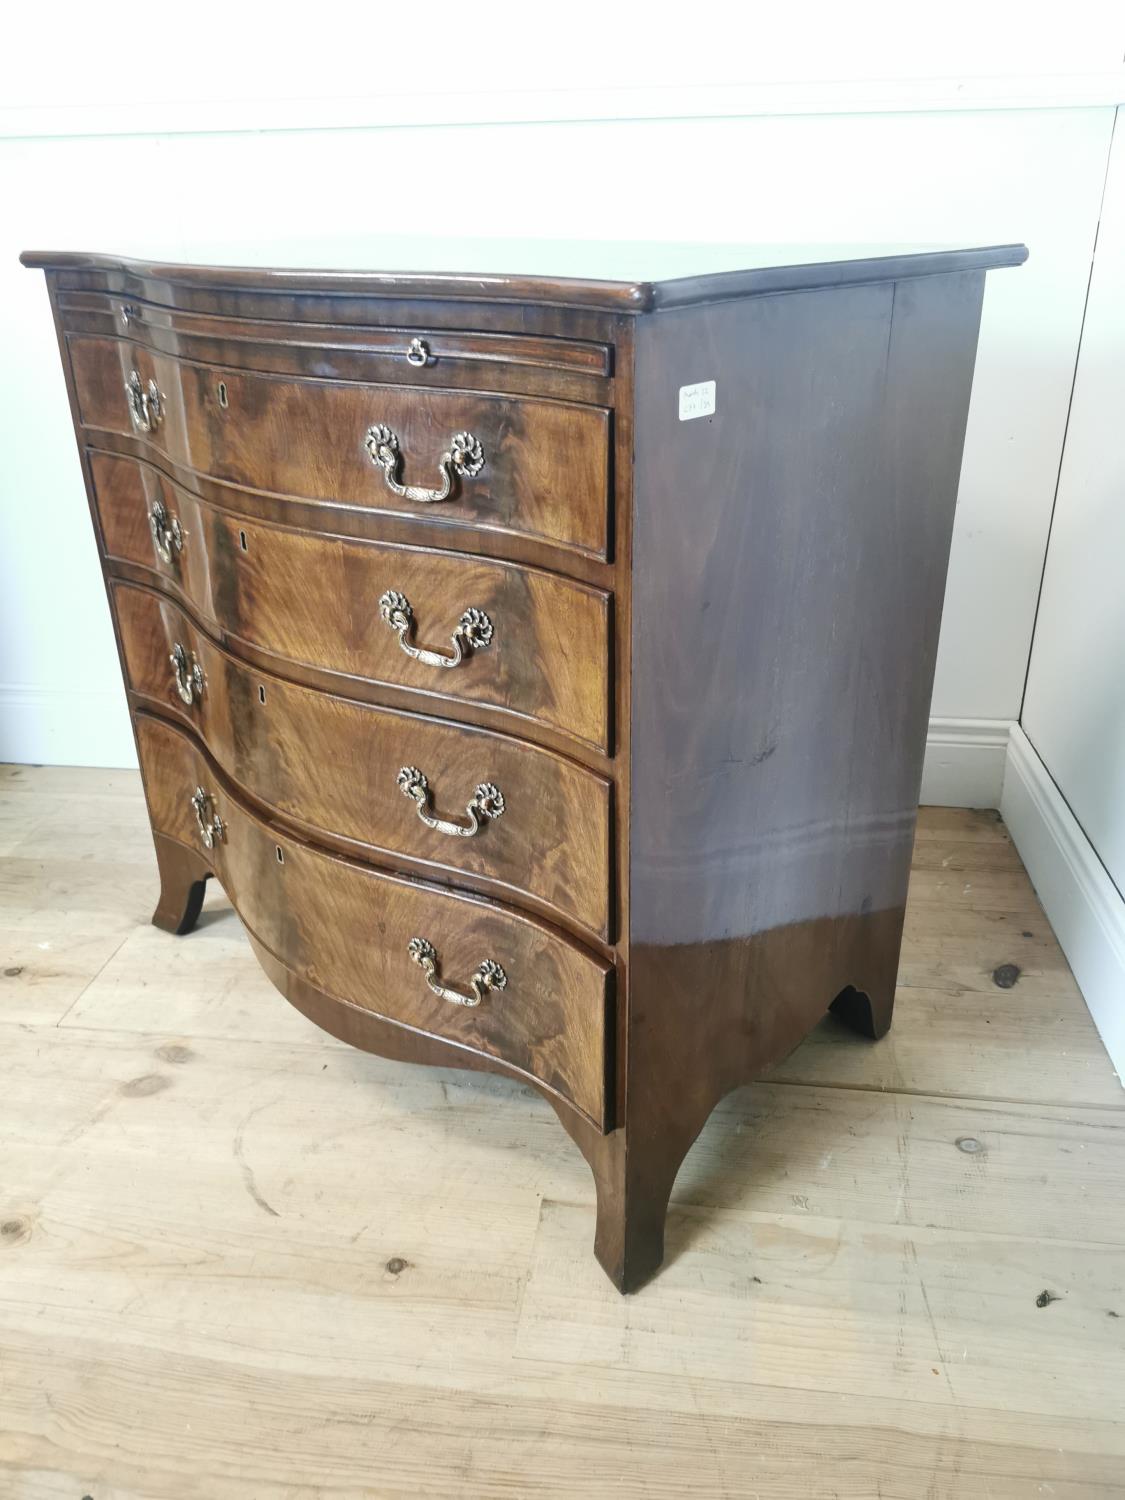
(697, 400)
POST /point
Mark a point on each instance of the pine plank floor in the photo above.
(240, 1261)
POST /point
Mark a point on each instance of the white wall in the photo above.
(1074, 711)
(218, 67)
(1065, 794)
(318, 196)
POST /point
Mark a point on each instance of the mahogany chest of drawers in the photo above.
(541, 665)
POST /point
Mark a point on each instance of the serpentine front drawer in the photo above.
(542, 664)
(497, 462)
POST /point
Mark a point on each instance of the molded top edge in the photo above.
(724, 271)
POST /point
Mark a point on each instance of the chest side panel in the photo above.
(790, 552)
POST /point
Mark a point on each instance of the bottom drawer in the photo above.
(350, 930)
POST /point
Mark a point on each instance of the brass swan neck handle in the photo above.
(473, 632)
(167, 533)
(487, 977)
(145, 408)
(487, 802)
(188, 674)
(463, 459)
(211, 827)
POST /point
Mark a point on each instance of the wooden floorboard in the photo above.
(240, 1261)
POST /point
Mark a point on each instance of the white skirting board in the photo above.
(1083, 905)
(964, 765)
(65, 726)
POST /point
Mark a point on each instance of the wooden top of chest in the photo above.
(612, 276)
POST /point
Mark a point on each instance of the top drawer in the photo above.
(529, 364)
(462, 458)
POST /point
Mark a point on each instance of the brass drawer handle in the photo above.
(487, 802)
(489, 976)
(464, 457)
(189, 676)
(145, 409)
(211, 829)
(167, 533)
(473, 633)
(419, 354)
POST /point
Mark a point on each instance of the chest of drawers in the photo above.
(541, 665)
